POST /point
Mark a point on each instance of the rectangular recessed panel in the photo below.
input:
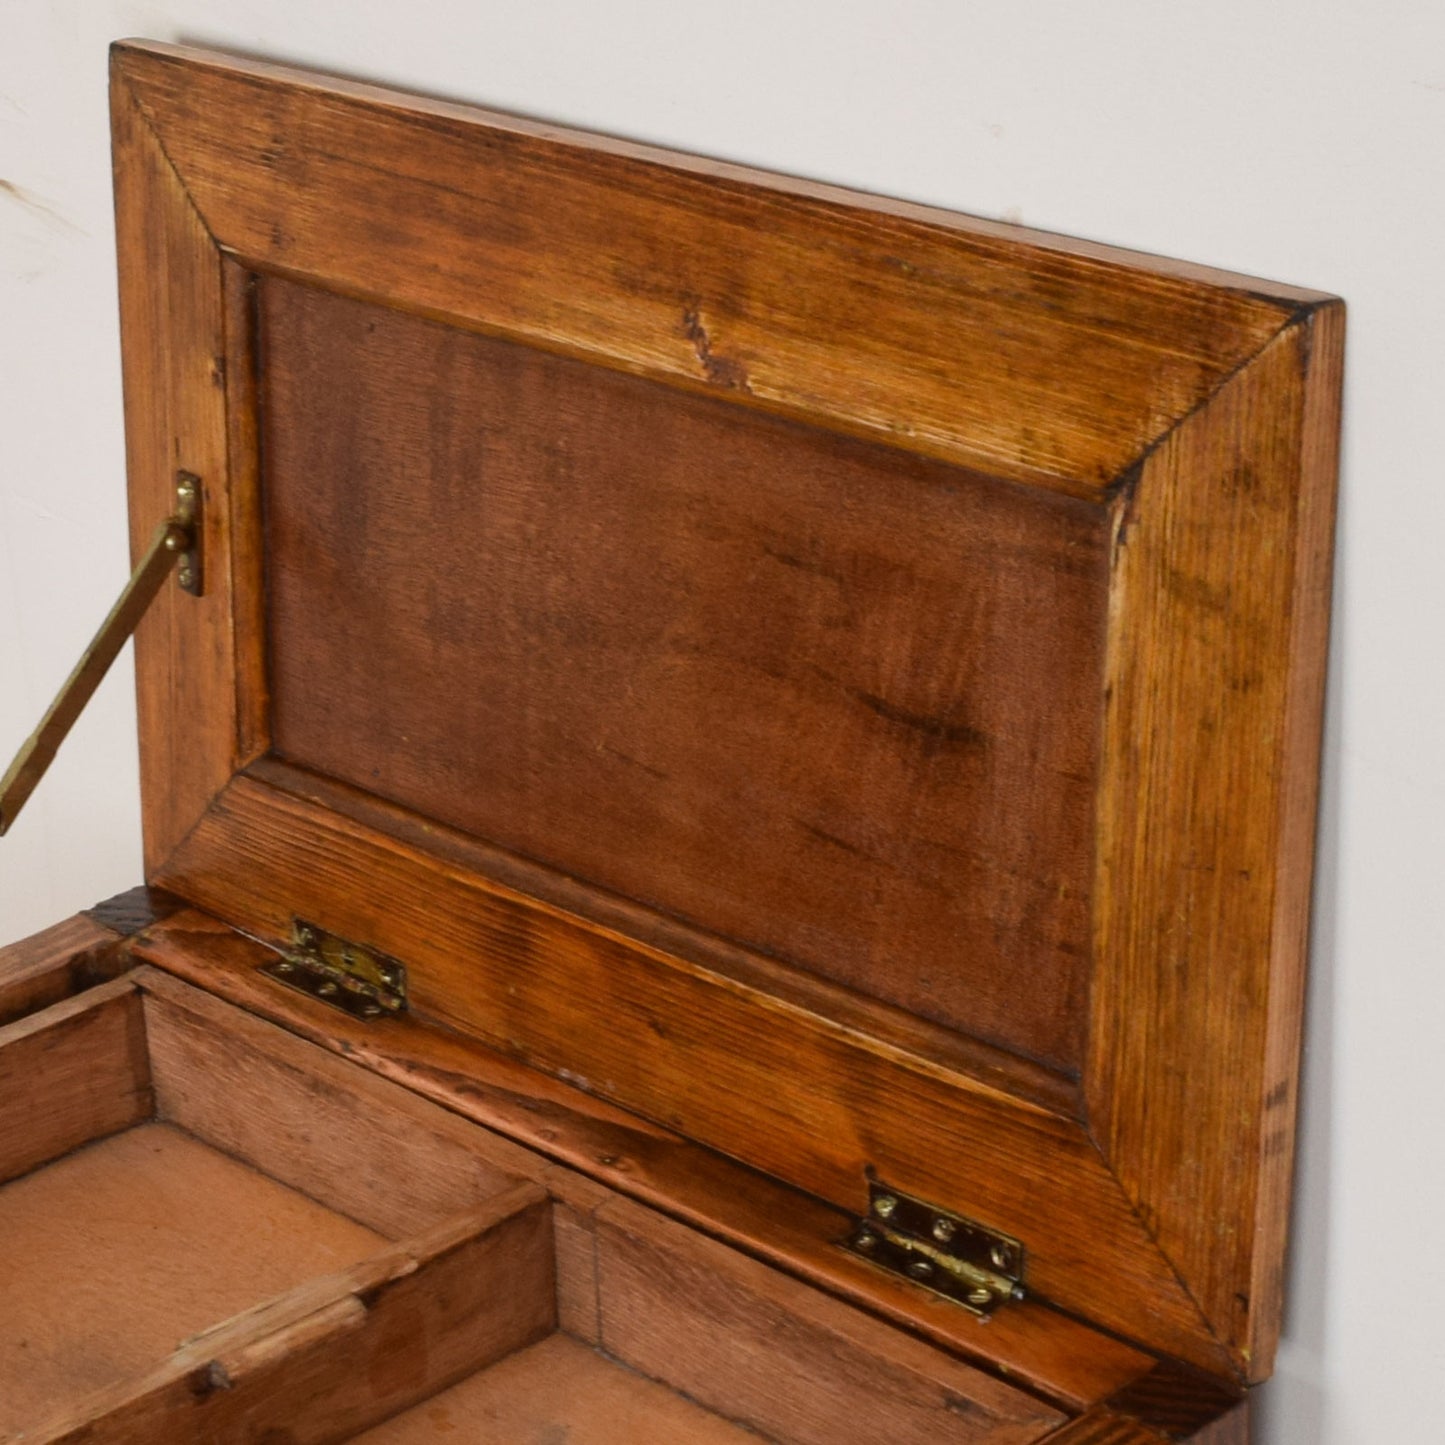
(819, 697)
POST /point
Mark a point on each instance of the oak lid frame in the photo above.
(1191, 404)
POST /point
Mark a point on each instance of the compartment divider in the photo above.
(338, 1355)
(71, 1074)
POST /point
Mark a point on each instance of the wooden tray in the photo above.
(816, 698)
(332, 1253)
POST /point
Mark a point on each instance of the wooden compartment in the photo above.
(796, 718)
(209, 1228)
(190, 1216)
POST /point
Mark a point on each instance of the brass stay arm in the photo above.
(176, 539)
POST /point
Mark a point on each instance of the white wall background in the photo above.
(1301, 141)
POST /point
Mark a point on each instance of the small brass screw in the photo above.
(943, 1230)
(1001, 1256)
(327, 989)
(371, 1011)
(865, 1240)
(921, 1269)
(979, 1296)
(285, 966)
(306, 937)
(884, 1205)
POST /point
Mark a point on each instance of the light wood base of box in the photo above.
(210, 1228)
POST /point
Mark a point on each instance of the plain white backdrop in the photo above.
(1301, 141)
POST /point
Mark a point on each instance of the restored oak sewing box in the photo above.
(729, 779)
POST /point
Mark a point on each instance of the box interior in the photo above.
(559, 1390)
(209, 1226)
(114, 1254)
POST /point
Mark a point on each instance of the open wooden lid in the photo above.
(835, 677)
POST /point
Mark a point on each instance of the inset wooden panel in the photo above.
(818, 696)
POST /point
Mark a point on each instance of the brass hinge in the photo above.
(176, 540)
(360, 981)
(955, 1257)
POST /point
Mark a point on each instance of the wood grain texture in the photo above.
(201, 1048)
(361, 1146)
(1206, 825)
(559, 1392)
(1320, 356)
(1199, 409)
(340, 1354)
(73, 1072)
(1107, 1426)
(576, 1201)
(666, 623)
(791, 1231)
(1235, 1428)
(800, 1097)
(794, 1365)
(173, 353)
(136, 908)
(111, 1255)
(709, 275)
(54, 964)
(993, 1069)
(243, 444)
(1177, 1402)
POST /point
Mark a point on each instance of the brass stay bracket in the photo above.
(177, 539)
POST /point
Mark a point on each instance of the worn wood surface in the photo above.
(808, 694)
(73, 1072)
(792, 1231)
(576, 1201)
(53, 965)
(1274, 1108)
(1177, 1402)
(559, 1392)
(111, 1256)
(243, 460)
(1232, 1429)
(1106, 1426)
(1197, 409)
(362, 1146)
(745, 1341)
(921, 1126)
(850, 310)
(176, 397)
(240, 1066)
(342, 1353)
(136, 908)
(1206, 818)
(993, 1070)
